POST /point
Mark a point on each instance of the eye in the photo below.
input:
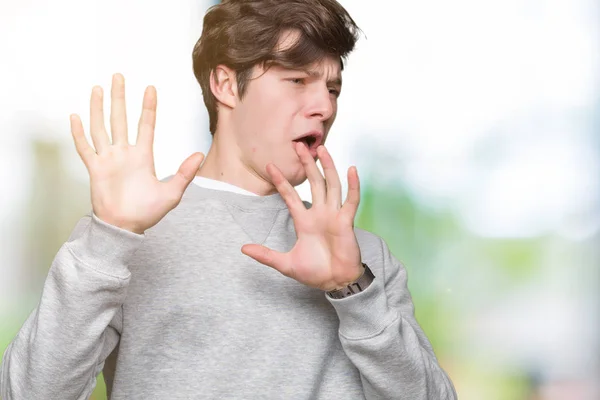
(334, 92)
(297, 80)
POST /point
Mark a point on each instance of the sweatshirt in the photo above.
(179, 312)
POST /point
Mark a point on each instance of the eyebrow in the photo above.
(317, 74)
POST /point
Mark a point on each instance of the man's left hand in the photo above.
(326, 254)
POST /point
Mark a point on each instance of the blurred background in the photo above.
(475, 127)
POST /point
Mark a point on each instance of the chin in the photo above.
(291, 168)
(296, 179)
(295, 176)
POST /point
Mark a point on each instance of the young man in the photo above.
(164, 285)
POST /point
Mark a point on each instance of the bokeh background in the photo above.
(474, 124)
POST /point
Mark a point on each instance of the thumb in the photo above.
(185, 175)
(264, 255)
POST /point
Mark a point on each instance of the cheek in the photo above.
(268, 121)
(285, 105)
(278, 119)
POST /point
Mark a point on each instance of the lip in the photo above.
(318, 141)
(313, 152)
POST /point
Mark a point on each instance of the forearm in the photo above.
(393, 365)
(389, 349)
(58, 349)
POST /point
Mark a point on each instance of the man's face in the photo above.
(280, 106)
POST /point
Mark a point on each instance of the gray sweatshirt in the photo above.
(180, 313)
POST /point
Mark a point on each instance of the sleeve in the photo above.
(62, 346)
(382, 338)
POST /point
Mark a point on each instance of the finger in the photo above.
(85, 151)
(147, 122)
(287, 191)
(184, 176)
(274, 259)
(118, 114)
(97, 128)
(350, 207)
(334, 186)
(316, 180)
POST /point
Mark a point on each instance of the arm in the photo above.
(381, 336)
(378, 329)
(62, 346)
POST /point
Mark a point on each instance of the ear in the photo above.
(223, 84)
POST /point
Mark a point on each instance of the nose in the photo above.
(321, 105)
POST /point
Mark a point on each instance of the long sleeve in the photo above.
(61, 347)
(381, 336)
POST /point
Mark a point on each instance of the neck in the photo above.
(224, 163)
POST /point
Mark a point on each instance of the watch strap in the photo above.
(355, 287)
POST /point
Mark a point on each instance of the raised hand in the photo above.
(326, 255)
(125, 191)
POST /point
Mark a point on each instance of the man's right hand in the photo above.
(124, 188)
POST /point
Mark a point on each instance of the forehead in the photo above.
(328, 69)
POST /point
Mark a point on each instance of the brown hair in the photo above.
(243, 33)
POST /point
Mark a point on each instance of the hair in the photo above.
(241, 34)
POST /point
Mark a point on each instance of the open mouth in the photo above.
(310, 140)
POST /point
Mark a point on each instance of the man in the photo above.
(164, 286)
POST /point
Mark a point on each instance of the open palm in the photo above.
(326, 254)
(124, 188)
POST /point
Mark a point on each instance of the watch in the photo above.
(355, 287)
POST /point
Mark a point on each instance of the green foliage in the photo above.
(99, 392)
(415, 236)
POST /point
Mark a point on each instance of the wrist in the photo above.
(127, 226)
(339, 286)
(357, 286)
